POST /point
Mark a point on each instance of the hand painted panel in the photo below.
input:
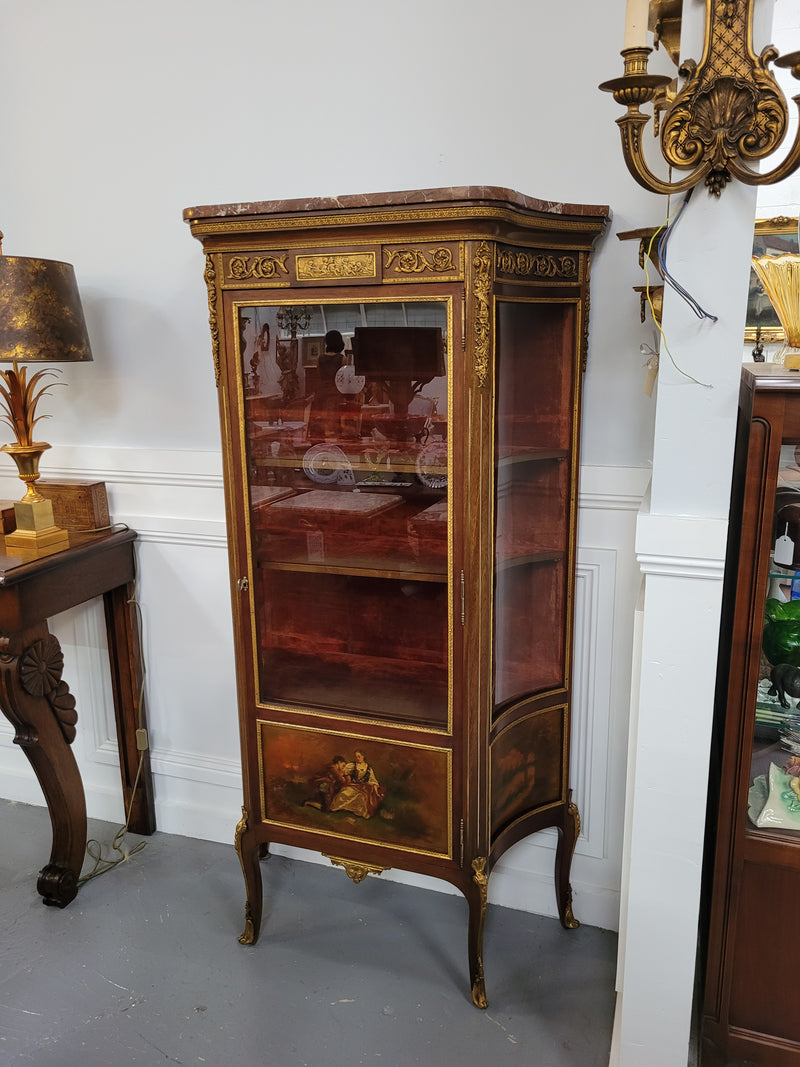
(350, 786)
(527, 763)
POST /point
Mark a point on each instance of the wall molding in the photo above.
(681, 546)
(174, 500)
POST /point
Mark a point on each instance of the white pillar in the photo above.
(681, 535)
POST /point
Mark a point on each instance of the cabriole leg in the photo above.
(476, 899)
(249, 852)
(567, 836)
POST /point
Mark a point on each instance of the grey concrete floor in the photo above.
(144, 967)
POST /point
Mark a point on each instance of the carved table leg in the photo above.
(248, 850)
(40, 707)
(567, 837)
(477, 898)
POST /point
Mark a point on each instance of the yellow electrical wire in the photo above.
(680, 370)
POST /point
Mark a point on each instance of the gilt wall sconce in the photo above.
(730, 112)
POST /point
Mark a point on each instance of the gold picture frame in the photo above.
(772, 237)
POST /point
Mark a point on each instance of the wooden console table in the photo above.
(38, 703)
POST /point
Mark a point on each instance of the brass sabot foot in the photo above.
(479, 993)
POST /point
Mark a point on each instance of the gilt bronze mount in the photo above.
(729, 114)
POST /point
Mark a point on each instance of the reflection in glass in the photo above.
(346, 429)
(774, 793)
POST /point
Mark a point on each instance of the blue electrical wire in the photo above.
(661, 251)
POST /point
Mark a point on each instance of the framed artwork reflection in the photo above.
(311, 349)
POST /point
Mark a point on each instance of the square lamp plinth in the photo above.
(36, 530)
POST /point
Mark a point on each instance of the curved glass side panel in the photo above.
(533, 449)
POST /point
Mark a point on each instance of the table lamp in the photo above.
(41, 321)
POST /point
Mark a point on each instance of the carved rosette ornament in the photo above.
(210, 275)
(40, 669)
(482, 287)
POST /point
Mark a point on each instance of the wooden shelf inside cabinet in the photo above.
(527, 559)
(400, 407)
(527, 455)
(349, 568)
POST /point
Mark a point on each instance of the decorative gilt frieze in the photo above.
(356, 872)
(334, 266)
(482, 287)
(524, 263)
(585, 324)
(210, 275)
(262, 268)
(418, 260)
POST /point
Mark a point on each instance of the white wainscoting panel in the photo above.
(174, 501)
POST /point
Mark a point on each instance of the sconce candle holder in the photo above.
(730, 112)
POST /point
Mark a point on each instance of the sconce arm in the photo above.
(630, 128)
(783, 170)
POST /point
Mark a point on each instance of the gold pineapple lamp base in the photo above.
(780, 276)
(36, 531)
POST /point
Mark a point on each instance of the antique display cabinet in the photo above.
(399, 382)
(752, 882)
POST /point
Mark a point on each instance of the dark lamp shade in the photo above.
(41, 318)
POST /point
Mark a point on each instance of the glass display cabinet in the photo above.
(399, 383)
(752, 883)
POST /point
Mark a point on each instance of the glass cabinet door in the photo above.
(534, 426)
(346, 415)
(774, 792)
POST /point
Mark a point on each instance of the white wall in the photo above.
(130, 114)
